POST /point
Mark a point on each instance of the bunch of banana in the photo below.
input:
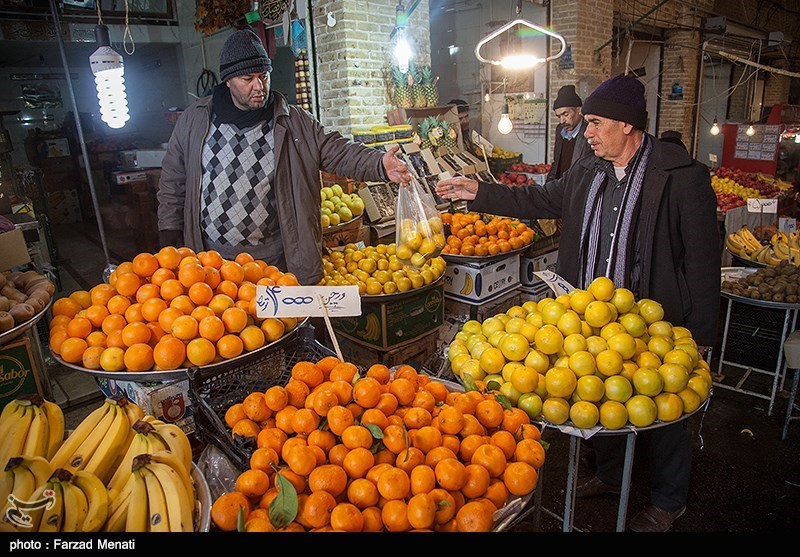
(742, 243)
(79, 503)
(30, 426)
(372, 330)
(158, 497)
(100, 441)
(468, 285)
(151, 435)
(786, 247)
(20, 478)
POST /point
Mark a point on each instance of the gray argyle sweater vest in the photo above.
(237, 208)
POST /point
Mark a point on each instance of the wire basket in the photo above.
(212, 394)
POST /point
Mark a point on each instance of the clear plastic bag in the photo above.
(419, 234)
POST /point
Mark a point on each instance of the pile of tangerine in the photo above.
(381, 453)
(470, 235)
(175, 308)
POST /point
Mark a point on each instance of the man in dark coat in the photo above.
(571, 145)
(642, 212)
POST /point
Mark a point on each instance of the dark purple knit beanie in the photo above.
(619, 98)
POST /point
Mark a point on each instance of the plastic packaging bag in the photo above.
(419, 234)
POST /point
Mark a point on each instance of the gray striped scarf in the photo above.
(590, 237)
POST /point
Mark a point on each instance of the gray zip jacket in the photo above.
(302, 148)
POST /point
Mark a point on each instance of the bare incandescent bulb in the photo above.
(715, 127)
(505, 126)
(108, 71)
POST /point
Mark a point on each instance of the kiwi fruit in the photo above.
(6, 321)
(21, 313)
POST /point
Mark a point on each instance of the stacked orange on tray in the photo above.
(163, 311)
(471, 235)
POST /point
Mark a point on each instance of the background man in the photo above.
(641, 212)
(241, 172)
(570, 143)
(463, 120)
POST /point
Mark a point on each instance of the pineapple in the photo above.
(427, 132)
(417, 88)
(402, 92)
(449, 136)
(429, 86)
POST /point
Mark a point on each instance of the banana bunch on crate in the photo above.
(30, 426)
(745, 245)
(119, 470)
(786, 247)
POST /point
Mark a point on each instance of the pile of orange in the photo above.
(471, 235)
(175, 308)
(379, 453)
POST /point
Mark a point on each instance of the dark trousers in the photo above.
(669, 451)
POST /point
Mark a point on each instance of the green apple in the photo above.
(328, 192)
(329, 205)
(357, 207)
(326, 211)
(337, 189)
(335, 219)
(344, 213)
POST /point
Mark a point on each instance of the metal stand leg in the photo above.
(724, 336)
(790, 406)
(572, 482)
(537, 501)
(627, 468)
(778, 364)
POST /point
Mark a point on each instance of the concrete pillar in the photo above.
(354, 57)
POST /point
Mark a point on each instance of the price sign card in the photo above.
(787, 225)
(556, 282)
(758, 205)
(306, 301)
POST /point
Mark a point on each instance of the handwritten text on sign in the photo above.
(306, 301)
(758, 205)
(556, 282)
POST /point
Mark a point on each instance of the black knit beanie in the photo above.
(567, 98)
(619, 98)
(243, 54)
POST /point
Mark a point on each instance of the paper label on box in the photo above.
(306, 301)
(759, 205)
(557, 283)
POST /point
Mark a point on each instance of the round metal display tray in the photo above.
(13, 333)
(734, 273)
(461, 259)
(204, 500)
(181, 373)
(398, 295)
(743, 262)
(570, 429)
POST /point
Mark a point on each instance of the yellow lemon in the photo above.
(590, 388)
(560, 382)
(669, 406)
(584, 414)
(602, 288)
(642, 410)
(613, 414)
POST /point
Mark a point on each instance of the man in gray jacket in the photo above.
(571, 144)
(241, 172)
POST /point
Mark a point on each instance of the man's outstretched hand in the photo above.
(457, 187)
(396, 170)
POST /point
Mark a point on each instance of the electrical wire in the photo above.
(206, 83)
(127, 35)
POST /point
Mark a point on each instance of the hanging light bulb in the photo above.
(797, 137)
(505, 126)
(751, 131)
(108, 72)
(715, 127)
(402, 47)
(487, 98)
